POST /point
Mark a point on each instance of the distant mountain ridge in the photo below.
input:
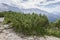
(6, 7)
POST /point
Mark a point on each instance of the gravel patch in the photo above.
(9, 34)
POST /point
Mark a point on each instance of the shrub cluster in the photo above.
(32, 24)
(27, 24)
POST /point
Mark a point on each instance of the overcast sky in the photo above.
(46, 5)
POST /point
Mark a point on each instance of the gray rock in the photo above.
(1, 19)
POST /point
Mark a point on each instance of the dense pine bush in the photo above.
(28, 24)
(31, 24)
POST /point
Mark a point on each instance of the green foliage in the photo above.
(54, 28)
(57, 23)
(27, 24)
(31, 24)
(1, 14)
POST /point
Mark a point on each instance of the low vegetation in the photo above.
(2, 14)
(31, 24)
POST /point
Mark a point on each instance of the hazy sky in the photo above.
(51, 6)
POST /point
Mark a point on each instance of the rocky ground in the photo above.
(9, 34)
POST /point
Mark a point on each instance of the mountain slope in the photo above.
(6, 7)
(51, 16)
